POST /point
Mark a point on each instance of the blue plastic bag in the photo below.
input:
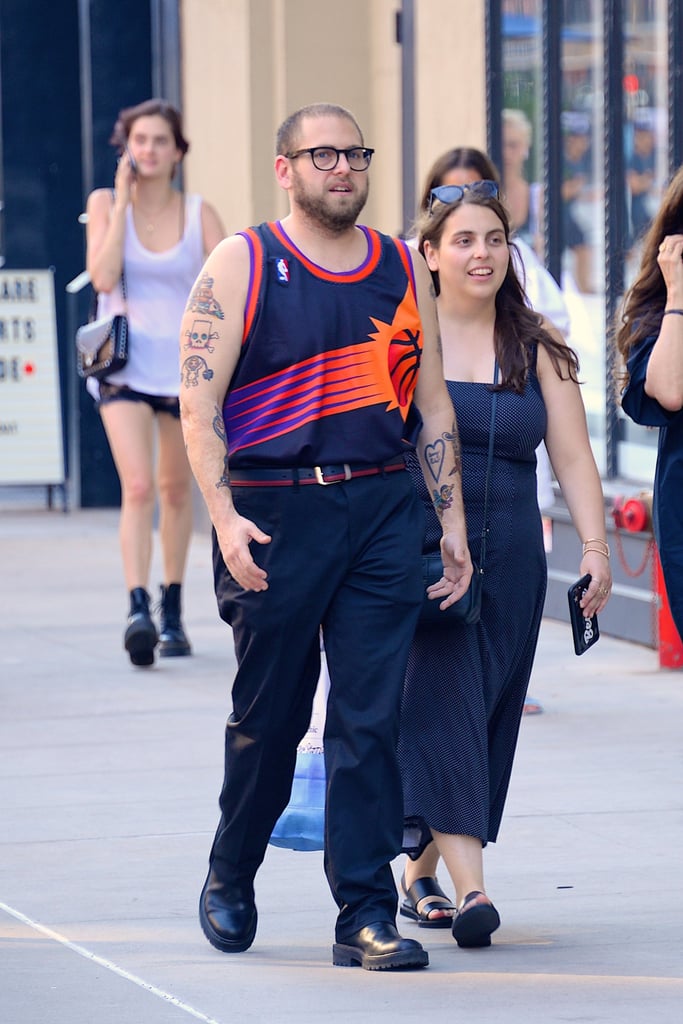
(301, 826)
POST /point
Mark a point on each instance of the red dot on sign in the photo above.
(631, 83)
(29, 368)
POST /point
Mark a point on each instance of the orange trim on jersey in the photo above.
(350, 277)
(407, 263)
(255, 276)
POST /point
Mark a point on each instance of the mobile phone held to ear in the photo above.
(585, 631)
(133, 165)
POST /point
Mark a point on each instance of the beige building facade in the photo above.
(247, 64)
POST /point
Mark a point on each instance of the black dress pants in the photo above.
(346, 556)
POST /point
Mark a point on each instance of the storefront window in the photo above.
(522, 120)
(583, 201)
(581, 134)
(646, 170)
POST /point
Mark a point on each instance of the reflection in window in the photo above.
(646, 174)
(582, 128)
(646, 128)
(522, 119)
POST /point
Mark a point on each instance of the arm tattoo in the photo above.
(435, 456)
(442, 499)
(202, 301)
(224, 478)
(439, 346)
(219, 427)
(219, 430)
(192, 369)
(454, 438)
(200, 336)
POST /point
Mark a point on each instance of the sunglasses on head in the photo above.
(448, 194)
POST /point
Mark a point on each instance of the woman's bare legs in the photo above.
(476, 918)
(130, 432)
(175, 498)
(425, 867)
(464, 860)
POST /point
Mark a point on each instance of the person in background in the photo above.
(576, 175)
(521, 197)
(640, 175)
(296, 424)
(465, 685)
(462, 166)
(157, 237)
(649, 337)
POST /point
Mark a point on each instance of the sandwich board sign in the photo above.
(31, 444)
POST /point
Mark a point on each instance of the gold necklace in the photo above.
(150, 227)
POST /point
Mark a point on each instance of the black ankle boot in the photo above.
(140, 637)
(173, 642)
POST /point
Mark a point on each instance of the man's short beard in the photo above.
(335, 221)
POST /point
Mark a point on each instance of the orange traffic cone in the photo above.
(670, 645)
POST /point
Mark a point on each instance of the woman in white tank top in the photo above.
(159, 238)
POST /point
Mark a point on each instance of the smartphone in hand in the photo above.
(584, 631)
(133, 165)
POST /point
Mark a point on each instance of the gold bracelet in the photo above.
(601, 549)
(603, 546)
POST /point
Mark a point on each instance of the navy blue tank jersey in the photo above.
(329, 361)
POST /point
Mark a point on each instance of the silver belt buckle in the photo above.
(326, 483)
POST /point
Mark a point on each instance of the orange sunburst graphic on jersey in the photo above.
(381, 370)
(401, 340)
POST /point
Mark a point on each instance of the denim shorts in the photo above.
(122, 393)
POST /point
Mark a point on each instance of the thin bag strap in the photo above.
(492, 431)
(123, 262)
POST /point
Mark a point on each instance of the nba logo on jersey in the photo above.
(282, 270)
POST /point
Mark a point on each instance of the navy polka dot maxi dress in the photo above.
(465, 685)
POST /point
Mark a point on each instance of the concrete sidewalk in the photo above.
(109, 780)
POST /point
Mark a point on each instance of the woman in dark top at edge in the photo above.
(650, 340)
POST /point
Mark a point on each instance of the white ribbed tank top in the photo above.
(157, 288)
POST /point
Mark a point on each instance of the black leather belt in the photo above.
(322, 475)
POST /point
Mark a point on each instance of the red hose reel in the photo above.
(634, 515)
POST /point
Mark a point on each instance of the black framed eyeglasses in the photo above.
(448, 194)
(326, 158)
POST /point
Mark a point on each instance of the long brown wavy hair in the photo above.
(641, 312)
(518, 329)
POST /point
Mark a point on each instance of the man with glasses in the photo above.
(324, 341)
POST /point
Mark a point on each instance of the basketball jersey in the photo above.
(329, 361)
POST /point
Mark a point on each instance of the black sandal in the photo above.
(422, 889)
(472, 928)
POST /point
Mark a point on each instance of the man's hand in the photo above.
(457, 571)
(234, 538)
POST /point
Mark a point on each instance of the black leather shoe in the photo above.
(228, 918)
(379, 947)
